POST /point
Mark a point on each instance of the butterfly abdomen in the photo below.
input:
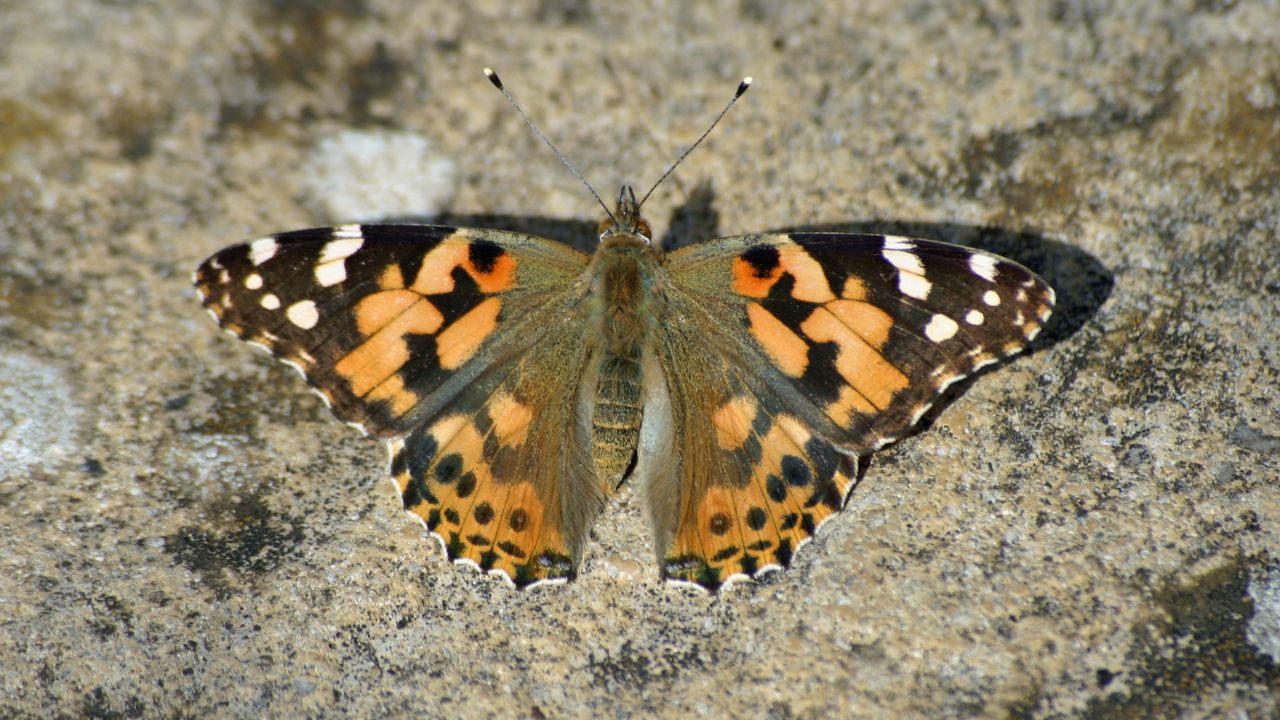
(625, 312)
(615, 418)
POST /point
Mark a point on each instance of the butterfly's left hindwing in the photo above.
(503, 475)
(831, 346)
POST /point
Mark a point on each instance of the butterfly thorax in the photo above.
(625, 305)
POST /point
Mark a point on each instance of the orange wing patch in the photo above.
(386, 318)
(510, 419)
(733, 422)
(794, 481)
(460, 341)
(380, 310)
(501, 525)
(491, 269)
(857, 361)
(787, 350)
(756, 271)
(859, 330)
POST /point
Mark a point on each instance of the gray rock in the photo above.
(1091, 529)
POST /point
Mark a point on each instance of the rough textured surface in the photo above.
(1090, 531)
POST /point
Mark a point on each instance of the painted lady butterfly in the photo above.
(519, 382)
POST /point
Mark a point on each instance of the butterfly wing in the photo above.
(825, 345)
(504, 476)
(460, 347)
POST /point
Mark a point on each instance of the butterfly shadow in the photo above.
(694, 221)
(578, 234)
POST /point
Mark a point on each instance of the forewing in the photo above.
(832, 345)
(387, 322)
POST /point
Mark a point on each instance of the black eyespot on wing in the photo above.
(484, 255)
(763, 259)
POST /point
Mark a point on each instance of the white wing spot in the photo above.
(904, 260)
(911, 279)
(323, 397)
(224, 277)
(303, 314)
(298, 369)
(974, 317)
(262, 250)
(991, 297)
(347, 231)
(940, 328)
(270, 302)
(898, 243)
(914, 286)
(983, 266)
(331, 273)
(253, 281)
(332, 269)
(342, 247)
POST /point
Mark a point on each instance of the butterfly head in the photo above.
(626, 220)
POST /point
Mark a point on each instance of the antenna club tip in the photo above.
(742, 86)
(493, 77)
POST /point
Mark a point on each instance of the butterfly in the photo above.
(518, 382)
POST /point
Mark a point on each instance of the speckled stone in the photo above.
(1089, 531)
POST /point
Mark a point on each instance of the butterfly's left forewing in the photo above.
(786, 355)
(387, 322)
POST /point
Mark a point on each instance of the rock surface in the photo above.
(1092, 530)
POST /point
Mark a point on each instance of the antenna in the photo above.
(742, 88)
(497, 82)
